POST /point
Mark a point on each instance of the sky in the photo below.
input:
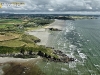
(42, 6)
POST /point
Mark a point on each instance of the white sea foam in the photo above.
(48, 63)
(88, 40)
(72, 65)
(97, 65)
(72, 47)
(82, 55)
(64, 69)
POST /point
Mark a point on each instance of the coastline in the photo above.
(44, 35)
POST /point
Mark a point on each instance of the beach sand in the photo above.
(59, 24)
(43, 34)
(11, 59)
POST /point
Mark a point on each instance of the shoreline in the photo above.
(43, 33)
(11, 59)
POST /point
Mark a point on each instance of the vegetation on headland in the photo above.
(13, 40)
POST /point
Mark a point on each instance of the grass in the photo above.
(17, 40)
(6, 25)
(12, 43)
(11, 21)
(28, 38)
(24, 39)
(32, 28)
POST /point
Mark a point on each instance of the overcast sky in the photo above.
(51, 6)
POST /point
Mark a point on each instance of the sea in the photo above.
(80, 40)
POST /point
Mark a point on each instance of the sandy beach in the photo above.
(11, 59)
(43, 34)
(59, 24)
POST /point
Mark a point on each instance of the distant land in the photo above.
(50, 16)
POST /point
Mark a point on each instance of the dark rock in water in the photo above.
(54, 29)
(63, 57)
(71, 59)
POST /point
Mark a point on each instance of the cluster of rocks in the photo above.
(54, 29)
(61, 56)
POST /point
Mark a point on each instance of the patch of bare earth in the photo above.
(8, 36)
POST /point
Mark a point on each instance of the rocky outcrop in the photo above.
(61, 56)
(54, 29)
(36, 41)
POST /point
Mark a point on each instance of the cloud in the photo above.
(53, 5)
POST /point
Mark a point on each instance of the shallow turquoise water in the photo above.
(80, 40)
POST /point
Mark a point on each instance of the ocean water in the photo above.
(80, 39)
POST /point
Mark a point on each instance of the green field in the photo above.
(11, 21)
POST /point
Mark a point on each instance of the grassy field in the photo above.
(22, 41)
(17, 40)
(9, 24)
(10, 21)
